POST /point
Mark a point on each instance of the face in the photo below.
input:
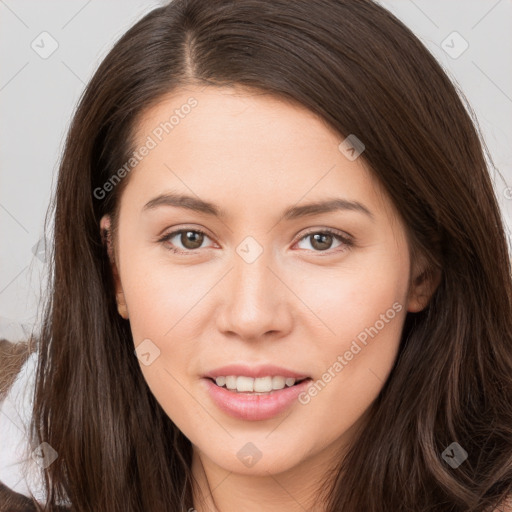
(227, 277)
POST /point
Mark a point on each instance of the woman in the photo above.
(281, 279)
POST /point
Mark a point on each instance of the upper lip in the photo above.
(254, 371)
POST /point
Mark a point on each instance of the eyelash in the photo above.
(348, 242)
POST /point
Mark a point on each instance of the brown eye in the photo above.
(184, 240)
(191, 239)
(322, 241)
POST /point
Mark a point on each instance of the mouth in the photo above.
(247, 405)
(256, 386)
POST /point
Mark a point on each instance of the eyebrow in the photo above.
(293, 212)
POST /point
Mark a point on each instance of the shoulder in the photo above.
(18, 469)
(21, 470)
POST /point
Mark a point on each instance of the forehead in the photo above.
(238, 144)
(240, 112)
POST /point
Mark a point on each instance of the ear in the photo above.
(424, 282)
(106, 236)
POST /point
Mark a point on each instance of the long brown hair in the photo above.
(365, 73)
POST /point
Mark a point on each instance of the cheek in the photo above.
(354, 363)
(361, 330)
(362, 310)
(159, 294)
(165, 307)
(351, 297)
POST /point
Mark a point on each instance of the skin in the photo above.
(296, 305)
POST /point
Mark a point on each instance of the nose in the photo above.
(257, 301)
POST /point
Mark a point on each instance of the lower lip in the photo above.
(250, 407)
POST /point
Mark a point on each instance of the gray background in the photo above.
(39, 91)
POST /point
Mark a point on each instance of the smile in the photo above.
(244, 401)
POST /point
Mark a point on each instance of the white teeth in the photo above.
(231, 382)
(278, 382)
(257, 385)
(263, 384)
(245, 384)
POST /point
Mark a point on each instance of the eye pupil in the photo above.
(187, 237)
(321, 237)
